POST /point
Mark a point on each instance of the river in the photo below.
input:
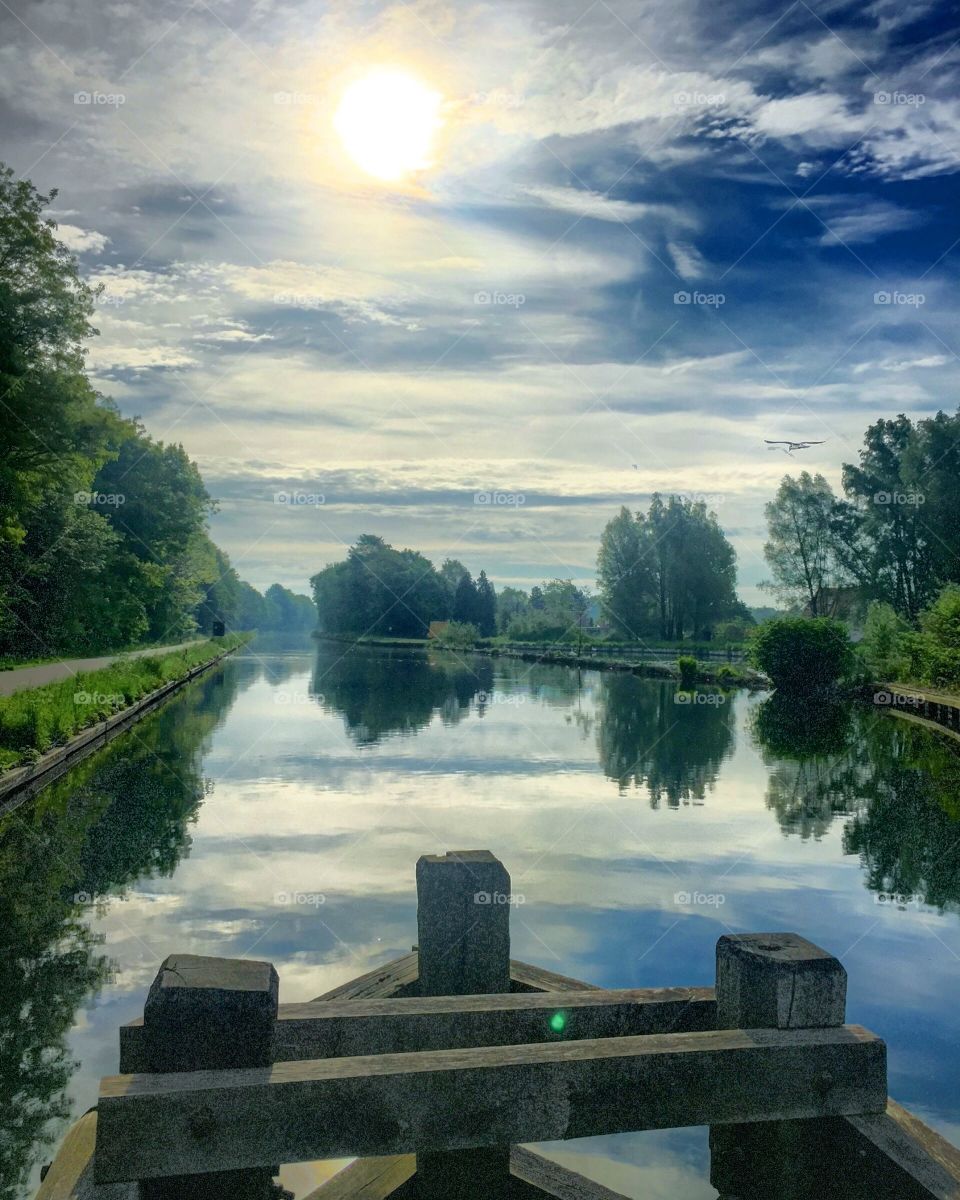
(276, 808)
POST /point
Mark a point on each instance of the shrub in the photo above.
(688, 668)
(885, 647)
(458, 633)
(802, 654)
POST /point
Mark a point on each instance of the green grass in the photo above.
(34, 720)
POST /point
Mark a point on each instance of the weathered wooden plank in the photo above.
(901, 1145)
(155, 1125)
(367, 1179)
(527, 978)
(383, 981)
(348, 1028)
(70, 1175)
(550, 1179)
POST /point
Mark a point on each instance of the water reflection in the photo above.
(380, 692)
(652, 735)
(121, 816)
(250, 788)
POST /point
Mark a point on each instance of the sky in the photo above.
(643, 237)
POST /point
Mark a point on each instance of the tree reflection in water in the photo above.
(120, 816)
(896, 783)
(648, 739)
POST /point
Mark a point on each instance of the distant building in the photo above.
(437, 628)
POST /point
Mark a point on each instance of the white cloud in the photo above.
(82, 241)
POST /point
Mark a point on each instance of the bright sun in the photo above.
(387, 122)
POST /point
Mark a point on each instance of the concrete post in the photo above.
(775, 981)
(463, 922)
(210, 1014)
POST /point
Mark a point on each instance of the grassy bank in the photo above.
(37, 719)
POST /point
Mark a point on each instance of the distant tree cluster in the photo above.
(669, 572)
(103, 530)
(377, 589)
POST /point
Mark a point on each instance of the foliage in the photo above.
(35, 719)
(885, 645)
(802, 654)
(669, 572)
(803, 521)
(688, 667)
(935, 650)
(457, 633)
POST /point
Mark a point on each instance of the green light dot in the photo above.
(558, 1022)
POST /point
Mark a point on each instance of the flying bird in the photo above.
(791, 446)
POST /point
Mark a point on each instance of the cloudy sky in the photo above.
(648, 235)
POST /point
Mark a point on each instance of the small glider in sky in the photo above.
(791, 446)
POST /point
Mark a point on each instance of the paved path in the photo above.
(31, 677)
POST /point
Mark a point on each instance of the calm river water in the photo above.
(276, 810)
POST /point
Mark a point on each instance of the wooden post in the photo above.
(209, 1014)
(775, 981)
(463, 923)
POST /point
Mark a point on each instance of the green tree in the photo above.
(626, 575)
(511, 603)
(803, 655)
(486, 610)
(802, 546)
(466, 602)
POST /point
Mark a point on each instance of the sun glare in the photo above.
(387, 122)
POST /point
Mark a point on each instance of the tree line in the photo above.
(379, 590)
(893, 536)
(104, 537)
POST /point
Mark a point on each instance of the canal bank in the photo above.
(19, 783)
(724, 674)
